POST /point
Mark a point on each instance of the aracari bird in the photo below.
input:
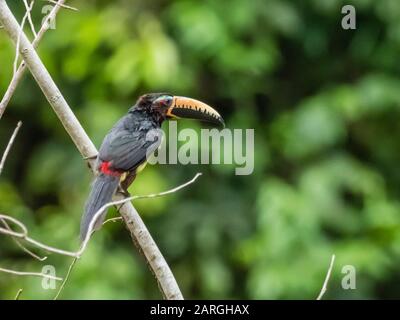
(127, 145)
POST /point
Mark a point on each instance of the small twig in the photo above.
(62, 5)
(21, 30)
(24, 235)
(29, 252)
(9, 145)
(28, 11)
(115, 219)
(164, 193)
(18, 294)
(19, 244)
(12, 232)
(66, 278)
(328, 275)
(33, 274)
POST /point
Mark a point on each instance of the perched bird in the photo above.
(125, 148)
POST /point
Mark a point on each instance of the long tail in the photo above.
(103, 188)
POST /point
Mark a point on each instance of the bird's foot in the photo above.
(123, 192)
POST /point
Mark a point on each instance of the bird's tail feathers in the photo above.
(103, 188)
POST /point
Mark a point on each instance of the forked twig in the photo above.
(28, 11)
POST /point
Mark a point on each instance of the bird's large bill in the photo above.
(189, 108)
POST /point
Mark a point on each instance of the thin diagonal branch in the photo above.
(21, 30)
(18, 294)
(9, 145)
(71, 266)
(21, 69)
(328, 275)
(28, 11)
(133, 221)
(2, 162)
(17, 44)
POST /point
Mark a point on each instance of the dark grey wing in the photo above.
(127, 150)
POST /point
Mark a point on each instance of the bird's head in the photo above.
(167, 106)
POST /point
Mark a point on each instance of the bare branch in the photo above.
(33, 274)
(164, 193)
(21, 30)
(19, 244)
(28, 12)
(21, 69)
(11, 232)
(9, 145)
(134, 223)
(328, 275)
(24, 235)
(62, 5)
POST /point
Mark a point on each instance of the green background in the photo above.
(324, 103)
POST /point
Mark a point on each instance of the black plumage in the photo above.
(130, 141)
(124, 149)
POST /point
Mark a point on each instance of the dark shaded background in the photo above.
(324, 103)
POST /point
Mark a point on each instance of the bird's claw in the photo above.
(123, 192)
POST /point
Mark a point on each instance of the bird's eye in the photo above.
(164, 101)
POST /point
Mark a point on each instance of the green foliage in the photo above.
(324, 103)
